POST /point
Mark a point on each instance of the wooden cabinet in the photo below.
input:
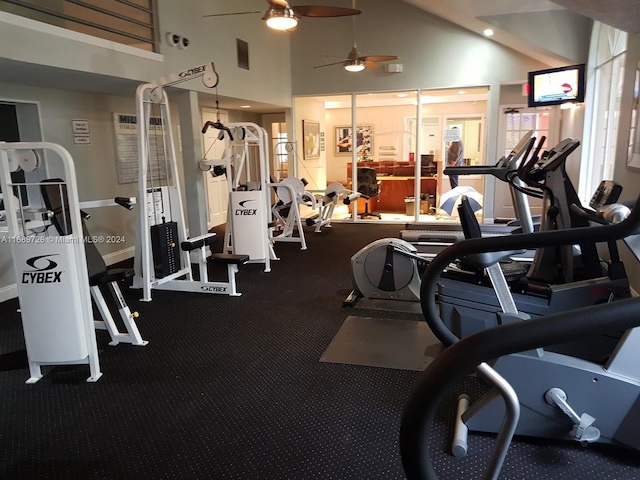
(393, 191)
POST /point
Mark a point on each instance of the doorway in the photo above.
(217, 189)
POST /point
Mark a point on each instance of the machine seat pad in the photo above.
(111, 275)
(228, 258)
(198, 242)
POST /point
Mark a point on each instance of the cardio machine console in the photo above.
(558, 155)
(607, 193)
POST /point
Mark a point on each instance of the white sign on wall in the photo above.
(127, 148)
(81, 133)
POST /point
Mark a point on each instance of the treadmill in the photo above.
(431, 238)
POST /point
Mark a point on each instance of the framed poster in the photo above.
(344, 140)
(310, 139)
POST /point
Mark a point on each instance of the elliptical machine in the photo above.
(390, 268)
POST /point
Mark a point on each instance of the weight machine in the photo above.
(249, 227)
(291, 195)
(56, 275)
(164, 253)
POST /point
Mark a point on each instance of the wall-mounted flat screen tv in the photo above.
(556, 85)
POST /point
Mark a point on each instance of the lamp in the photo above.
(354, 65)
(281, 18)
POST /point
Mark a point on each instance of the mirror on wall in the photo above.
(633, 157)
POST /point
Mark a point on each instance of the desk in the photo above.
(394, 189)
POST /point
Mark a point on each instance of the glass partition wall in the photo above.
(397, 166)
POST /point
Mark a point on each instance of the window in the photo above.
(607, 59)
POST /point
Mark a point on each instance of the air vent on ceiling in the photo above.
(242, 48)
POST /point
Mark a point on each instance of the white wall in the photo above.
(95, 163)
(560, 31)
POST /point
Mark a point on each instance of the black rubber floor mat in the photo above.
(385, 343)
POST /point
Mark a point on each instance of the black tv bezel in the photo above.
(581, 85)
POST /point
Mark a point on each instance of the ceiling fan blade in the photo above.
(330, 64)
(225, 14)
(378, 58)
(324, 11)
(278, 3)
(370, 64)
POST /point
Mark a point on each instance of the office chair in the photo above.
(368, 187)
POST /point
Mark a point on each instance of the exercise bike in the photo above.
(466, 298)
(561, 396)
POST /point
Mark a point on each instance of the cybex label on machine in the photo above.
(244, 210)
(192, 71)
(42, 270)
(206, 288)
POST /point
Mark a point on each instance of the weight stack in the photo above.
(164, 245)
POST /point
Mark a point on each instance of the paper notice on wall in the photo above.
(127, 148)
(81, 133)
(452, 135)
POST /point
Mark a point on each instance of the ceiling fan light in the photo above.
(281, 18)
(354, 66)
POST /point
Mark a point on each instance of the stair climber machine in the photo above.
(467, 301)
(559, 396)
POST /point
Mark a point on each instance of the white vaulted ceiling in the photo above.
(516, 22)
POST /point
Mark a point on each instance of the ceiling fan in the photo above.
(356, 62)
(282, 16)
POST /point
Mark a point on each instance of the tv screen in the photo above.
(556, 85)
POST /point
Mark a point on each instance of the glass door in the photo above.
(462, 145)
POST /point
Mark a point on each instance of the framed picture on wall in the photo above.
(310, 139)
(344, 140)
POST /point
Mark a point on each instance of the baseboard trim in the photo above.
(8, 292)
(119, 256)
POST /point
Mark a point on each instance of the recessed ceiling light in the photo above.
(401, 95)
(461, 92)
(488, 32)
(245, 106)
